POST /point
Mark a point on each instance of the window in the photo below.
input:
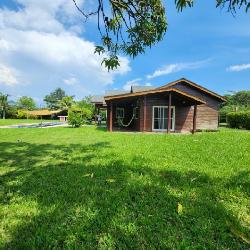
(120, 113)
(136, 112)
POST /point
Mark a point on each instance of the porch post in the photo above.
(144, 113)
(95, 115)
(169, 111)
(111, 117)
(194, 119)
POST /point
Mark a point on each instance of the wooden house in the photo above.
(179, 106)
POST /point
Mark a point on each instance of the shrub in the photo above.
(239, 119)
(75, 119)
(21, 114)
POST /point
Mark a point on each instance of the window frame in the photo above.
(172, 118)
(119, 109)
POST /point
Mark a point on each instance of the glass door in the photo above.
(160, 118)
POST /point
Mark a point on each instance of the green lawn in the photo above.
(5, 122)
(89, 189)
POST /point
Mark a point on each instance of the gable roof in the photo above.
(154, 91)
(97, 99)
(141, 88)
(195, 85)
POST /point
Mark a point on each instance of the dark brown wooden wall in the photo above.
(157, 100)
(128, 111)
(207, 114)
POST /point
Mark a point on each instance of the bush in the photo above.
(75, 119)
(239, 119)
(21, 114)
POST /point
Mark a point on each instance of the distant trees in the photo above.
(241, 98)
(26, 103)
(54, 98)
(238, 101)
(79, 112)
(83, 109)
(4, 104)
(66, 102)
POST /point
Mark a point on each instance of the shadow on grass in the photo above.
(86, 199)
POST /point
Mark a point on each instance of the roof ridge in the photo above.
(168, 85)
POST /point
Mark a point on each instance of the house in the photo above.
(179, 106)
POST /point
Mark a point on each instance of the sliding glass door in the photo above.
(160, 118)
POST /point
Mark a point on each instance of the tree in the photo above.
(241, 98)
(26, 103)
(85, 108)
(131, 26)
(53, 99)
(85, 103)
(67, 102)
(75, 119)
(238, 101)
(4, 104)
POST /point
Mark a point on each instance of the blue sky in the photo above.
(45, 44)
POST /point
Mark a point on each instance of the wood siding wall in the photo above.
(207, 114)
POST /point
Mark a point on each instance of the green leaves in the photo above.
(234, 4)
(181, 4)
(133, 26)
(111, 62)
(99, 50)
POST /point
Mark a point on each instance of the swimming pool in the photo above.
(37, 125)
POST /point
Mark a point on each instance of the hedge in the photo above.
(239, 119)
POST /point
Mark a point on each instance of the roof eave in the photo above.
(155, 91)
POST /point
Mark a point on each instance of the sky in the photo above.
(46, 44)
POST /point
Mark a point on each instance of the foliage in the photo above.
(21, 114)
(75, 119)
(89, 189)
(241, 98)
(67, 102)
(11, 111)
(130, 27)
(54, 98)
(85, 107)
(238, 101)
(26, 103)
(86, 103)
(239, 119)
(4, 104)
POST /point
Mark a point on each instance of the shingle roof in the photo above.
(97, 99)
(116, 92)
(141, 88)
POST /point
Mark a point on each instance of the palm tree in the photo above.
(4, 103)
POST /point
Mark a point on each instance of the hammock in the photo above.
(125, 125)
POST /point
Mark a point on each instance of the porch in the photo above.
(153, 111)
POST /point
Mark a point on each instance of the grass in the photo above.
(89, 189)
(5, 122)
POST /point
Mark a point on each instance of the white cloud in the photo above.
(173, 68)
(239, 67)
(7, 76)
(43, 41)
(134, 82)
(71, 81)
